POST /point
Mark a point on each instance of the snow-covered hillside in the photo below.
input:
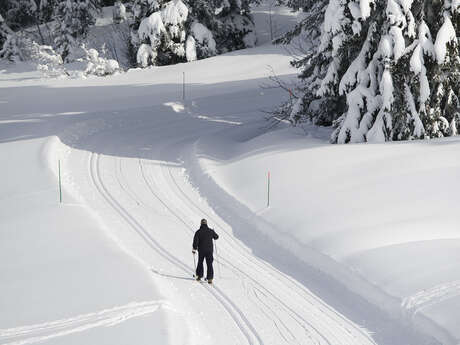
(380, 218)
(334, 259)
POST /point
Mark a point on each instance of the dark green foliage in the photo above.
(18, 14)
(229, 22)
(340, 81)
(74, 17)
(4, 31)
(46, 10)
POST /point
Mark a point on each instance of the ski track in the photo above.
(309, 328)
(432, 296)
(246, 278)
(297, 315)
(276, 276)
(240, 320)
(54, 329)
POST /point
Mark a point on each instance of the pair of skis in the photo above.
(178, 277)
(202, 281)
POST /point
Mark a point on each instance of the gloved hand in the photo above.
(193, 251)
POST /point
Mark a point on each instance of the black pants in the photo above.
(199, 269)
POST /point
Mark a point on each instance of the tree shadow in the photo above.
(127, 120)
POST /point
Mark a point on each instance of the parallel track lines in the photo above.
(302, 322)
(344, 322)
(236, 314)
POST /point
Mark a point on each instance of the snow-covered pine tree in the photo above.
(19, 13)
(119, 12)
(200, 42)
(158, 33)
(8, 47)
(442, 108)
(202, 22)
(48, 61)
(166, 32)
(73, 20)
(383, 70)
(309, 21)
(98, 65)
(236, 29)
(305, 40)
(5, 31)
(174, 15)
(229, 21)
(46, 10)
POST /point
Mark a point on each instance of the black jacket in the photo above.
(203, 239)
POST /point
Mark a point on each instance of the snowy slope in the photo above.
(58, 263)
(126, 166)
(385, 216)
(113, 263)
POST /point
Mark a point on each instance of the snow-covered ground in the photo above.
(382, 219)
(347, 225)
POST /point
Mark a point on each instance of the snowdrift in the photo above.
(62, 273)
(381, 218)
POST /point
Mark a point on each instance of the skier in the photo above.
(202, 241)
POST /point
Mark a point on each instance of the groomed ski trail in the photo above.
(240, 320)
(260, 304)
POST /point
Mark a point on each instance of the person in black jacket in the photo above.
(202, 241)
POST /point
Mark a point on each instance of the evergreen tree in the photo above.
(159, 38)
(314, 61)
(166, 32)
(8, 47)
(5, 31)
(46, 10)
(119, 12)
(236, 29)
(19, 13)
(14, 46)
(383, 70)
(141, 47)
(203, 22)
(73, 20)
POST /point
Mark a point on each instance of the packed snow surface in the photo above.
(384, 214)
(348, 230)
(115, 257)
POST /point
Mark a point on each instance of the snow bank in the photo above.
(57, 262)
(360, 213)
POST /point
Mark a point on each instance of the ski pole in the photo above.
(218, 260)
(194, 262)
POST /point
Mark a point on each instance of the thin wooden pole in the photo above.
(183, 86)
(60, 188)
(268, 190)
